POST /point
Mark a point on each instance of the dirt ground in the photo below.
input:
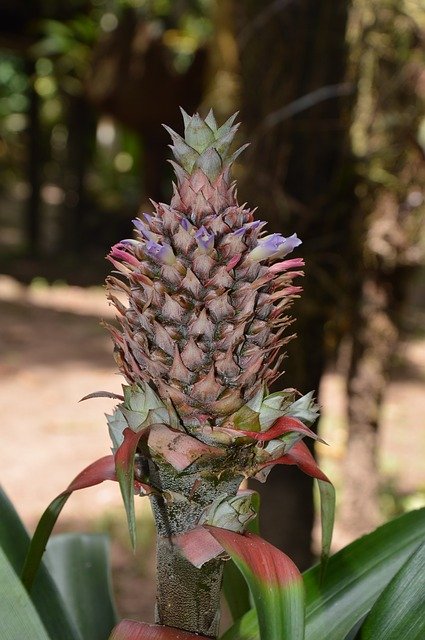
(54, 351)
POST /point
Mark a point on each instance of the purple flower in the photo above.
(274, 245)
(161, 253)
(143, 228)
(248, 227)
(204, 239)
(255, 224)
(185, 224)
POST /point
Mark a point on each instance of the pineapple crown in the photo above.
(205, 146)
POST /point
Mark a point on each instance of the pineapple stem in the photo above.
(187, 597)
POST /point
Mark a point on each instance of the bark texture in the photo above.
(294, 108)
(187, 598)
(386, 66)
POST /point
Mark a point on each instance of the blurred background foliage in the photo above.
(332, 98)
(80, 90)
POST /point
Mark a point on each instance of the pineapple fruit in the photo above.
(202, 298)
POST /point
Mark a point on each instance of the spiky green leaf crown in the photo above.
(205, 145)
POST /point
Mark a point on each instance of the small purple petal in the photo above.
(249, 226)
(161, 253)
(204, 239)
(143, 229)
(185, 224)
(274, 245)
(255, 224)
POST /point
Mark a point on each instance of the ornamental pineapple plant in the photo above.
(203, 294)
(202, 299)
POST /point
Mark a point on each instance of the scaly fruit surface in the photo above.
(207, 295)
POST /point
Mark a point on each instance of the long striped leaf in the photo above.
(14, 540)
(132, 630)
(95, 473)
(18, 617)
(275, 583)
(354, 579)
(399, 611)
(79, 564)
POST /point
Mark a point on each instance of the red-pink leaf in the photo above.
(270, 565)
(274, 580)
(285, 424)
(124, 466)
(198, 546)
(132, 630)
(95, 473)
(301, 456)
(179, 449)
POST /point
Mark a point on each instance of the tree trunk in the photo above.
(373, 344)
(293, 66)
(391, 167)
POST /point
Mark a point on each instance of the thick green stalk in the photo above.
(187, 598)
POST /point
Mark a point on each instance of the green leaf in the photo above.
(19, 618)
(79, 564)
(274, 581)
(399, 611)
(95, 473)
(327, 517)
(356, 576)
(15, 541)
(197, 134)
(124, 466)
(245, 418)
(235, 590)
(354, 579)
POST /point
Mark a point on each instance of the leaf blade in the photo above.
(19, 618)
(79, 564)
(300, 455)
(274, 581)
(124, 467)
(355, 577)
(399, 610)
(95, 473)
(14, 540)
